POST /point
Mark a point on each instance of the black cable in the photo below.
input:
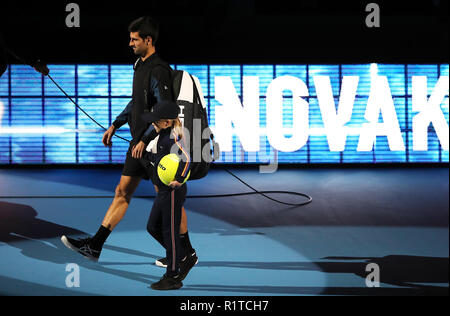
(153, 196)
(263, 193)
(92, 119)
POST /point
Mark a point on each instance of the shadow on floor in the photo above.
(298, 290)
(398, 270)
(18, 223)
(40, 239)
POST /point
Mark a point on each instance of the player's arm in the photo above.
(161, 89)
(120, 120)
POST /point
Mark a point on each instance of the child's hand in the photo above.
(175, 184)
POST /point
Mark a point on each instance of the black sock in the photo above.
(100, 237)
(186, 243)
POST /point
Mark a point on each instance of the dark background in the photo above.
(234, 31)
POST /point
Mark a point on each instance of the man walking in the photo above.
(146, 93)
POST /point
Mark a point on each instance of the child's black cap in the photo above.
(168, 110)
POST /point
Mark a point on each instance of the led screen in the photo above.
(369, 113)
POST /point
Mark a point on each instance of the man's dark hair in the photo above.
(146, 26)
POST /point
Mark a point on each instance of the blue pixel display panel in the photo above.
(259, 114)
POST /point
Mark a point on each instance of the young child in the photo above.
(165, 217)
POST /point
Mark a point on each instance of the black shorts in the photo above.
(134, 167)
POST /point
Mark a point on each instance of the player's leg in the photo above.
(92, 247)
(184, 234)
(123, 193)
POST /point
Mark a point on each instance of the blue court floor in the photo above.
(247, 245)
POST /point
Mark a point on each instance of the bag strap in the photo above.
(196, 95)
(213, 152)
(147, 80)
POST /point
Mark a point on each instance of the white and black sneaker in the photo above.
(168, 283)
(187, 264)
(162, 262)
(82, 246)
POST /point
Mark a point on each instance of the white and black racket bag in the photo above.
(198, 137)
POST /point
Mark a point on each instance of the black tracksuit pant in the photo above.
(164, 224)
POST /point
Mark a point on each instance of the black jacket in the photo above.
(161, 146)
(151, 84)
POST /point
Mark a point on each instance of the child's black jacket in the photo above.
(165, 143)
